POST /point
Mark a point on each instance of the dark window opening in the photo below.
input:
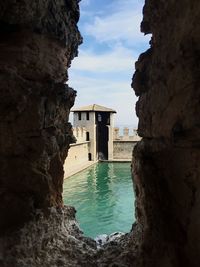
(102, 141)
(102, 118)
(87, 115)
(79, 116)
(102, 134)
(87, 136)
(89, 156)
(99, 118)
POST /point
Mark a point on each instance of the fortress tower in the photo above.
(98, 123)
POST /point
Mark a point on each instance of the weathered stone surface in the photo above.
(53, 241)
(166, 169)
(38, 41)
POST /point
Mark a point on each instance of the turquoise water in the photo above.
(103, 197)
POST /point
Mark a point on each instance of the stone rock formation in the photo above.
(38, 41)
(48, 241)
(166, 172)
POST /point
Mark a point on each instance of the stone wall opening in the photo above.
(102, 136)
(39, 40)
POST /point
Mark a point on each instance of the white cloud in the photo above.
(123, 24)
(99, 74)
(85, 3)
(106, 92)
(117, 60)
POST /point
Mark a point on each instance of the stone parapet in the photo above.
(80, 134)
(129, 134)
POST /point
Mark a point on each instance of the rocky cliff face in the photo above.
(38, 41)
(48, 242)
(166, 173)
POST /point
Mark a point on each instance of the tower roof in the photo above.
(94, 107)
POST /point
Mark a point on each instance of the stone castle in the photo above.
(97, 139)
(39, 39)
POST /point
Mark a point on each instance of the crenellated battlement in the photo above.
(128, 134)
(97, 137)
(80, 134)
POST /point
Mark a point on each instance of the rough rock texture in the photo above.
(166, 161)
(48, 242)
(38, 40)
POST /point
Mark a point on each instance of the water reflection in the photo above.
(103, 198)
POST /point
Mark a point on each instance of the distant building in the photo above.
(97, 139)
(98, 122)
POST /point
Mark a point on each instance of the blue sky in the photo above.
(112, 42)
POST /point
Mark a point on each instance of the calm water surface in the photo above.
(103, 197)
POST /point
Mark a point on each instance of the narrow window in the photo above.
(79, 116)
(99, 117)
(89, 156)
(87, 136)
(87, 115)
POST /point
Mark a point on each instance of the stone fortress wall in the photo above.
(80, 134)
(77, 158)
(129, 134)
(123, 144)
(78, 155)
